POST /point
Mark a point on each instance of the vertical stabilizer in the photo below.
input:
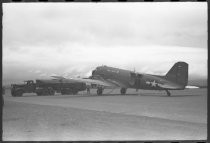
(178, 73)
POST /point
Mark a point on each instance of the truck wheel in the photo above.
(45, 92)
(74, 92)
(19, 93)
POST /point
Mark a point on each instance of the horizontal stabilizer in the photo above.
(169, 86)
(190, 87)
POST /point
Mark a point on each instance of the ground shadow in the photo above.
(95, 95)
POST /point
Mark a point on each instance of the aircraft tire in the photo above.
(99, 91)
(123, 91)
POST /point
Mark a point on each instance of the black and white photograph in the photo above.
(104, 71)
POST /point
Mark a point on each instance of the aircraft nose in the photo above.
(93, 72)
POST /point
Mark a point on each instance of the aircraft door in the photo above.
(138, 81)
(135, 80)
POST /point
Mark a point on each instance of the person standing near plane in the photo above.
(88, 89)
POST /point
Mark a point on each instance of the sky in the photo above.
(72, 39)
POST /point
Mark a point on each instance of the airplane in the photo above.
(109, 77)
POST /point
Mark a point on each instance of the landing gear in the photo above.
(99, 90)
(168, 93)
(123, 91)
(51, 91)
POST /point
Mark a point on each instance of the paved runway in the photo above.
(144, 115)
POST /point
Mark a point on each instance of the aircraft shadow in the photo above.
(95, 95)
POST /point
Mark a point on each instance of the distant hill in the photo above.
(202, 83)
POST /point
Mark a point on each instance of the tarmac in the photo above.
(142, 115)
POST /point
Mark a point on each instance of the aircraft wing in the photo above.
(93, 81)
(108, 83)
(174, 86)
(115, 83)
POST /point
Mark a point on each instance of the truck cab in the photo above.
(18, 89)
(30, 86)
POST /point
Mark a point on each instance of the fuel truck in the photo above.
(47, 87)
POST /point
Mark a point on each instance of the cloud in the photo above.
(43, 75)
(37, 71)
(108, 24)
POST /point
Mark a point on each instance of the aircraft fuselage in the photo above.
(130, 79)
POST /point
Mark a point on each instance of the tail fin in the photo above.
(178, 73)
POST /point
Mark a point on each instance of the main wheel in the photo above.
(123, 91)
(100, 91)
